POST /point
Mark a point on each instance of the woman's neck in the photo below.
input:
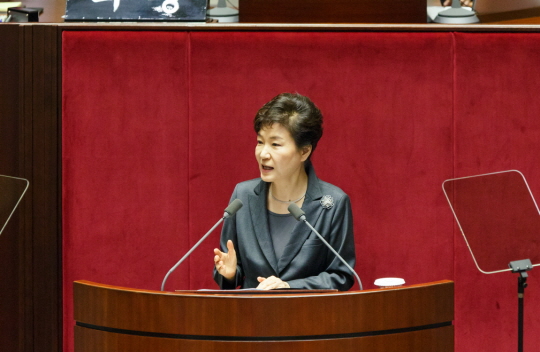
(283, 192)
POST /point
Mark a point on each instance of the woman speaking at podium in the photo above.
(262, 245)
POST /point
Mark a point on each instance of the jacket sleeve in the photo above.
(228, 232)
(335, 275)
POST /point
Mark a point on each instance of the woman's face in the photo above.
(278, 157)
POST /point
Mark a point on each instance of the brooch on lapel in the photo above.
(327, 202)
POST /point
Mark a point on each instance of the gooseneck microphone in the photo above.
(229, 211)
(300, 216)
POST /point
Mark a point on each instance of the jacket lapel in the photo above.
(259, 218)
(313, 209)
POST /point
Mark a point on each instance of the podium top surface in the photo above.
(259, 293)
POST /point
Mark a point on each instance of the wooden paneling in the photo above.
(333, 11)
(43, 118)
(527, 16)
(29, 147)
(9, 165)
(440, 340)
(377, 320)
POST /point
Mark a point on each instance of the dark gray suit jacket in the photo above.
(306, 262)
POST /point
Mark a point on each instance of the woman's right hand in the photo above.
(226, 262)
(468, 3)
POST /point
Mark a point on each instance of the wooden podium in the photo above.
(411, 318)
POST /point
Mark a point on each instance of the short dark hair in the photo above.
(297, 114)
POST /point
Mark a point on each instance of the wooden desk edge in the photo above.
(225, 293)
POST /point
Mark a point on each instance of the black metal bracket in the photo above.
(521, 267)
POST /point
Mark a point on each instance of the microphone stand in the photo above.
(229, 211)
(521, 267)
(299, 215)
(189, 252)
(334, 251)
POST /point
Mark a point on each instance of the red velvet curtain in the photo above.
(157, 130)
(496, 128)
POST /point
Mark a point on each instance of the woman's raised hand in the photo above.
(468, 3)
(226, 262)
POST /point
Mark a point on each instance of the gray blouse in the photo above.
(281, 228)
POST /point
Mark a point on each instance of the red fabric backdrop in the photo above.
(497, 128)
(157, 131)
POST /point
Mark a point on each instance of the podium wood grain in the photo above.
(413, 318)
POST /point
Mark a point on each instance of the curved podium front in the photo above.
(412, 318)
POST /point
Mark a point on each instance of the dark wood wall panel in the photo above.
(41, 116)
(333, 11)
(45, 245)
(26, 248)
(30, 251)
(9, 165)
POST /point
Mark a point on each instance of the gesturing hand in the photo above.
(226, 262)
(468, 3)
(271, 282)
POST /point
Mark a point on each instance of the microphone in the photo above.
(232, 208)
(299, 215)
(229, 211)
